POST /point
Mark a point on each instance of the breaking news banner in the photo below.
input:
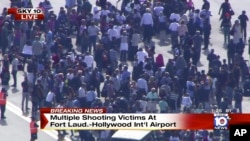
(98, 119)
(27, 14)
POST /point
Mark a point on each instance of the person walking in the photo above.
(197, 42)
(243, 23)
(90, 96)
(206, 33)
(33, 129)
(50, 99)
(135, 40)
(152, 97)
(236, 32)
(147, 23)
(163, 105)
(93, 31)
(37, 47)
(3, 99)
(238, 97)
(14, 63)
(226, 24)
(124, 47)
(25, 95)
(225, 8)
(186, 102)
(173, 27)
(206, 4)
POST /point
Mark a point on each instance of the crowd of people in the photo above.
(95, 70)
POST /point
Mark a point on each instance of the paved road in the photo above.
(15, 127)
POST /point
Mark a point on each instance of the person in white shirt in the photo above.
(135, 40)
(96, 14)
(49, 40)
(142, 84)
(162, 26)
(14, 64)
(124, 46)
(147, 22)
(70, 75)
(112, 33)
(118, 30)
(27, 51)
(104, 12)
(205, 14)
(120, 18)
(89, 60)
(175, 17)
(50, 98)
(90, 96)
(173, 27)
(82, 94)
(93, 32)
(190, 86)
(141, 55)
(82, 91)
(186, 102)
(158, 9)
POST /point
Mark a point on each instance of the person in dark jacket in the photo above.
(197, 42)
(25, 94)
(205, 5)
(210, 57)
(5, 77)
(226, 24)
(240, 47)
(243, 24)
(230, 51)
(206, 33)
(224, 105)
(238, 99)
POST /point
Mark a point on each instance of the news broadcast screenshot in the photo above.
(124, 70)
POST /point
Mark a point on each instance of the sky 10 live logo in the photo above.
(221, 121)
(27, 14)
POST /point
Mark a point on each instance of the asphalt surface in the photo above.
(16, 126)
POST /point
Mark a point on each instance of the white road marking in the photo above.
(16, 110)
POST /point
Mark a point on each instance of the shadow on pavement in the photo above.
(14, 90)
(206, 52)
(162, 44)
(3, 122)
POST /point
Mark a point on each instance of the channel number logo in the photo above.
(221, 122)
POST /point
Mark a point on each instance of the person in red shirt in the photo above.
(3, 97)
(33, 129)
